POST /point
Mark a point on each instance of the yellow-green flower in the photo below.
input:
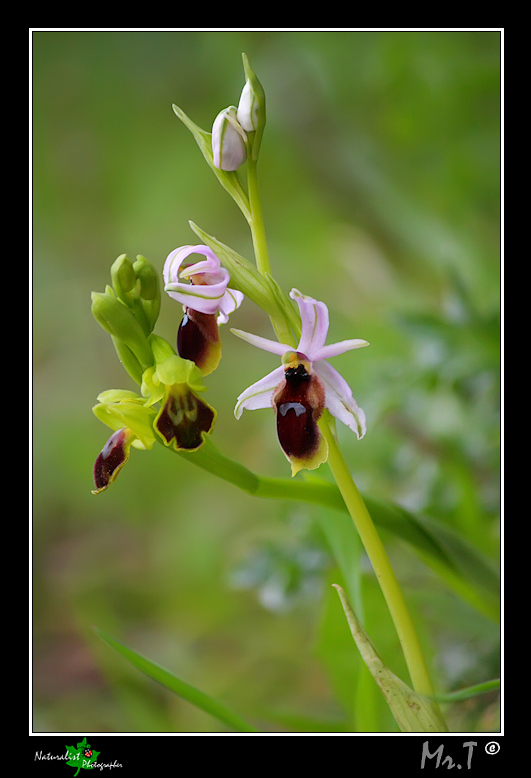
(184, 418)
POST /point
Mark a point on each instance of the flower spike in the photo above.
(202, 289)
(303, 386)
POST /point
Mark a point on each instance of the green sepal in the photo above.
(175, 370)
(152, 388)
(119, 321)
(161, 348)
(119, 408)
(117, 395)
(228, 179)
(170, 370)
(128, 360)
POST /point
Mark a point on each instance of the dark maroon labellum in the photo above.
(111, 458)
(184, 418)
(297, 414)
(197, 332)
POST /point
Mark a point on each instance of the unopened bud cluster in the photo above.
(231, 142)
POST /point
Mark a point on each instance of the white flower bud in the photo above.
(228, 140)
(248, 108)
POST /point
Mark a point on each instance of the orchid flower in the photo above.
(303, 386)
(184, 418)
(131, 419)
(202, 289)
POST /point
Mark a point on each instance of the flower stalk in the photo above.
(257, 221)
(374, 547)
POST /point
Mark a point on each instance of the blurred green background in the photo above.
(380, 182)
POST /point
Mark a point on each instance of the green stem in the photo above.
(257, 221)
(261, 252)
(382, 567)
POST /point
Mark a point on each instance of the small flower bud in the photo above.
(147, 275)
(122, 276)
(248, 108)
(252, 109)
(228, 140)
(149, 290)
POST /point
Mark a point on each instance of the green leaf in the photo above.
(260, 289)
(178, 686)
(412, 712)
(470, 691)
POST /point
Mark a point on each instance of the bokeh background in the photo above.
(380, 181)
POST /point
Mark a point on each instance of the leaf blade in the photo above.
(413, 712)
(178, 686)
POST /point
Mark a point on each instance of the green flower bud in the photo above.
(148, 289)
(120, 322)
(137, 286)
(122, 276)
(148, 277)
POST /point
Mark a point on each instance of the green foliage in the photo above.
(380, 182)
(180, 687)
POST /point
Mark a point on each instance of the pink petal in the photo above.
(315, 323)
(175, 259)
(200, 297)
(339, 399)
(259, 394)
(338, 348)
(231, 300)
(267, 345)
